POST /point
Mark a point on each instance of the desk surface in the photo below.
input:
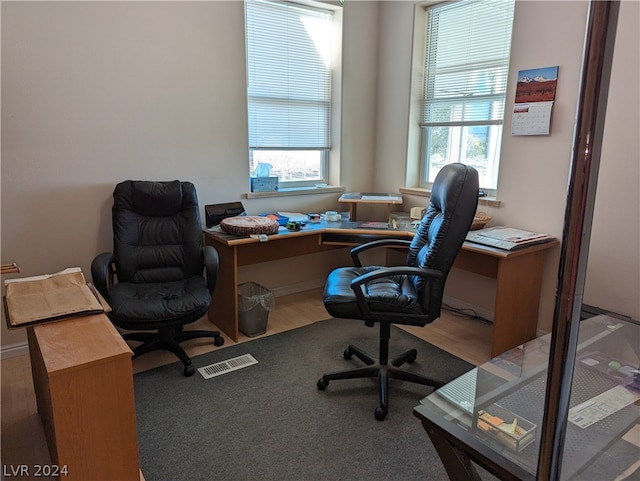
(79, 342)
(361, 229)
(516, 380)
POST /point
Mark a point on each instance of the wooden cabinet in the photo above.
(83, 380)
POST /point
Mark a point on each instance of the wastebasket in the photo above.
(254, 304)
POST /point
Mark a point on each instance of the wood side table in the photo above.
(83, 380)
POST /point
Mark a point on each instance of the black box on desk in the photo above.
(216, 213)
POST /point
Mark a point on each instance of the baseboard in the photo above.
(467, 308)
(14, 350)
(483, 313)
(298, 287)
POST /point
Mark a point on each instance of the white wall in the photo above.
(97, 92)
(613, 270)
(534, 171)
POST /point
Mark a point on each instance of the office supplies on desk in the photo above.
(506, 427)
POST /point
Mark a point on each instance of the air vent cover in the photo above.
(229, 365)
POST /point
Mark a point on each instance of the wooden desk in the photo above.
(518, 273)
(83, 380)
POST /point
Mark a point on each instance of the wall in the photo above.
(97, 92)
(534, 171)
(613, 270)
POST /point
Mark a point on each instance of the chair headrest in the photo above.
(152, 199)
(454, 184)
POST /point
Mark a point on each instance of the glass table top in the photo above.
(500, 404)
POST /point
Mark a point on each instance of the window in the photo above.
(466, 64)
(289, 90)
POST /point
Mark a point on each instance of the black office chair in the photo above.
(158, 262)
(411, 294)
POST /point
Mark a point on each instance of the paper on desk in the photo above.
(599, 407)
(48, 297)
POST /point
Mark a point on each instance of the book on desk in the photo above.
(507, 238)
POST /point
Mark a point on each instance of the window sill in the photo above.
(484, 201)
(295, 191)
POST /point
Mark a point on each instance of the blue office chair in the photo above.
(411, 294)
(153, 280)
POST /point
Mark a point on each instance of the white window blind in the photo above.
(467, 52)
(289, 76)
(467, 62)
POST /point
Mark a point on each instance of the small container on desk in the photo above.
(506, 427)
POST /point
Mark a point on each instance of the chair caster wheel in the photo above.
(218, 341)
(380, 414)
(347, 354)
(189, 370)
(322, 385)
(413, 357)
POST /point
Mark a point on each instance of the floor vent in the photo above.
(229, 365)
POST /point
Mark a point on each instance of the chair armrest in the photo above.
(394, 271)
(356, 284)
(211, 265)
(103, 273)
(356, 251)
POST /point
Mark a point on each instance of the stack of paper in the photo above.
(37, 299)
(507, 238)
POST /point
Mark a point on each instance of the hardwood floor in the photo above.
(22, 437)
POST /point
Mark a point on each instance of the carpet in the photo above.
(268, 421)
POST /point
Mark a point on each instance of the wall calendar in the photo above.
(535, 94)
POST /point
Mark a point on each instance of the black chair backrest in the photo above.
(157, 234)
(444, 226)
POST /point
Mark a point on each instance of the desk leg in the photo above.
(455, 461)
(223, 310)
(353, 209)
(518, 285)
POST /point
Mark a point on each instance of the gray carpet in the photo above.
(269, 422)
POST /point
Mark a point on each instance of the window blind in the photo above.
(288, 76)
(467, 62)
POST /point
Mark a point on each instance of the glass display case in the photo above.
(494, 412)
